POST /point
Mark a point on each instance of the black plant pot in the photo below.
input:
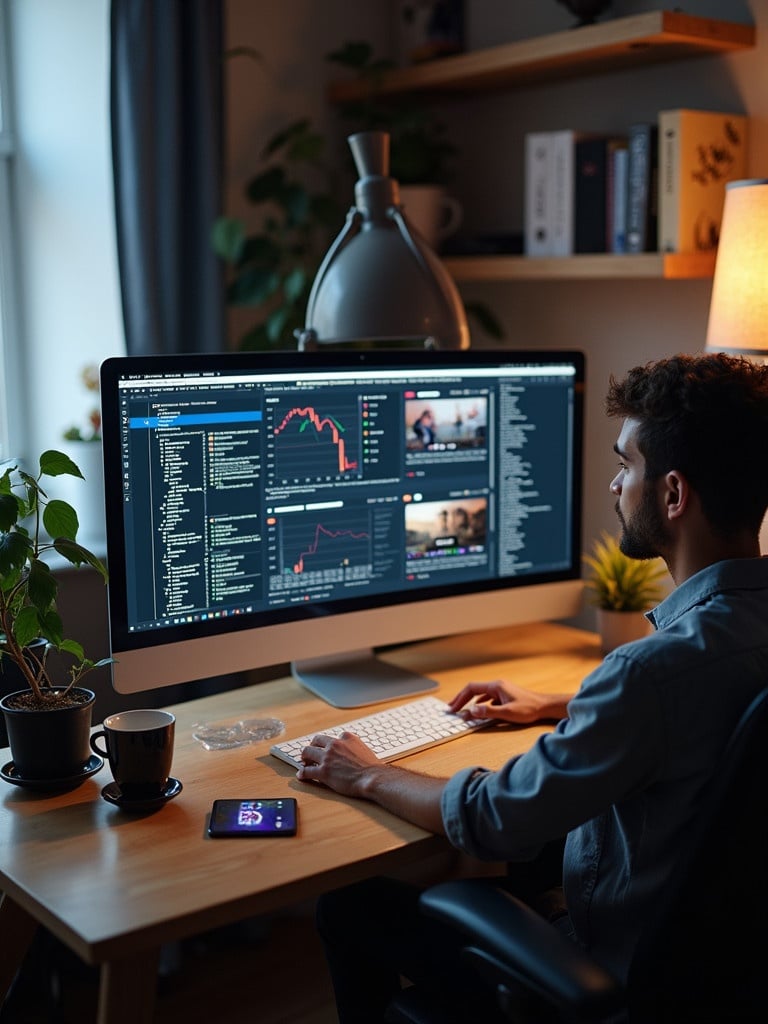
(11, 680)
(52, 743)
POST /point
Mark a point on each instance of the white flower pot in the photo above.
(617, 628)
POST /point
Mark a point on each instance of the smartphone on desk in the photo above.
(262, 817)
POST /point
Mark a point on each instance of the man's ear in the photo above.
(677, 493)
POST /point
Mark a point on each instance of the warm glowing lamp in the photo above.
(738, 315)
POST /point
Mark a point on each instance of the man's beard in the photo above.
(643, 534)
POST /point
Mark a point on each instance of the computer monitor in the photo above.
(314, 507)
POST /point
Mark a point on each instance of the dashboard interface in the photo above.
(247, 491)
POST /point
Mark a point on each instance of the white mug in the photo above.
(430, 210)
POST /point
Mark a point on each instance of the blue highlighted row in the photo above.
(193, 419)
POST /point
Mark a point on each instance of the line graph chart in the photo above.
(312, 444)
(333, 547)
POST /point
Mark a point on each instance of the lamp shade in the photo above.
(738, 315)
(379, 279)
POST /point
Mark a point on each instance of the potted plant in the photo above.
(623, 589)
(273, 268)
(421, 152)
(48, 721)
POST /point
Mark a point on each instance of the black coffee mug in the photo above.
(139, 748)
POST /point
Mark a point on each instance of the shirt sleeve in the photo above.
(611, 744)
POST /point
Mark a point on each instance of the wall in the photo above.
(617, 324)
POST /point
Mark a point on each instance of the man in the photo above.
(622, 773)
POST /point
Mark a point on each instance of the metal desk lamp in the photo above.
(380, 284)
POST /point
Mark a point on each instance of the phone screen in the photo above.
(266, 817)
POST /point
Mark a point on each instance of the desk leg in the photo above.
(127, 989)
(15, 922)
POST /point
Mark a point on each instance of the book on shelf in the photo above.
(594, 192)
(537, 194)
(563, 192)
(642, 190)
(616, 199)
(550, 192)
(589, 195)
(699, 152)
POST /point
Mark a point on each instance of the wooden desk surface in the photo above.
(111, 885)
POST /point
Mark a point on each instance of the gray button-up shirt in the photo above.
(623, 773)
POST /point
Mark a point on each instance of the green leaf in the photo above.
(228, 238)
(72, 647)
(295, 201)
(621, 583)
(5, 481)
(53, 463)
(260, 252)
(276, 324)
(266, 186)
(14, 548)
(60, 519)
(309, 147)
(326, 211)
(42, 586)
(51, 627)
(256, 339)
(78, 555)
(286, 136)
(252, 287)
(9, 511)
(27, 626)
(294, 284)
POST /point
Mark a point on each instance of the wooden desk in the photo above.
(114, 886)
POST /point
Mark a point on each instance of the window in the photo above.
(59, 293)
(10, 375)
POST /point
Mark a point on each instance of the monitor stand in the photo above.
(358, 678)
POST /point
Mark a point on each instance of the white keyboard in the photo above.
(391, 733)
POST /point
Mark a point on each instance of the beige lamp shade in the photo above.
(738, 315)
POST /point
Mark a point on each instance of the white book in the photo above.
(563, 191)
(537, 217)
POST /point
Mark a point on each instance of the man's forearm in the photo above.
(407, 794)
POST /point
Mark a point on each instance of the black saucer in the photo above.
(112, 795)
(10, 773)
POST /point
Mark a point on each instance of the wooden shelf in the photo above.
(601, 266)
(619, 44)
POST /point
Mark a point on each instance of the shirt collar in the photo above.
(731, 574)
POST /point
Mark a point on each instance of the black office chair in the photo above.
(702, 958)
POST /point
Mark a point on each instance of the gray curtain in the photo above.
(167, 151)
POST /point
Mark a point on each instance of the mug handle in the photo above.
(94, 747)
(453, 212)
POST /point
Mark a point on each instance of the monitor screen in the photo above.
(313, 507)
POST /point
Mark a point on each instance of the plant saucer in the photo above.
(10, 773)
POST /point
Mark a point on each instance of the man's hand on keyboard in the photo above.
(346, 765)
(506, 702)
(339, 762)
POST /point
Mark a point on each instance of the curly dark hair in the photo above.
(706, 416)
